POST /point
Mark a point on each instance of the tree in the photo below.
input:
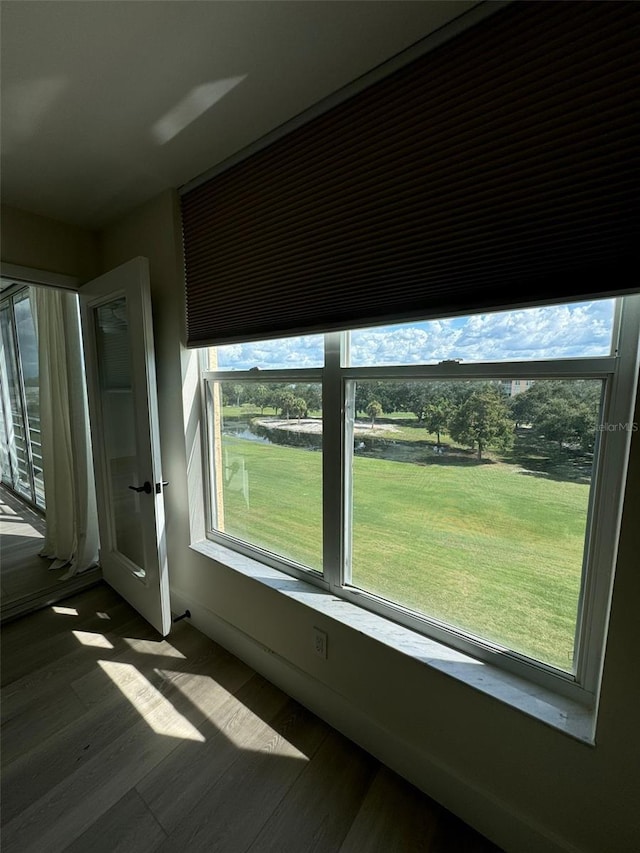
(284, 400)
(566, 421)
(437, 415)
(374, 410)
(483, 421)
(238, 391)
(392, 396)
(298, 408)
(312, 396)
(365, 393)
(522, 407)
(231, 394)
(274, 391)
(417, 396)
(457, 392)
(260, 395)
(563, 411)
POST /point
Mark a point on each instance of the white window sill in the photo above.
(536, 701)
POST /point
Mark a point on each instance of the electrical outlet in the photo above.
(320, 643)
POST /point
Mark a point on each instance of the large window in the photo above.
(460, 476)
(20, 437)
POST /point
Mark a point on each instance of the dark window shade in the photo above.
(500, 168)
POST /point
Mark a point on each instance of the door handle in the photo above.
(146, 488)
(160, 485)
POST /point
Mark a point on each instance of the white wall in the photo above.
(44, 244)
(525, 785)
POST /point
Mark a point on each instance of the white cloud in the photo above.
(535, 333)
(305, 351)
(557, 331)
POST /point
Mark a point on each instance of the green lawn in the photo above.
(489, 548)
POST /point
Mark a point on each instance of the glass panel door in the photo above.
(116, 320)
(118, 416)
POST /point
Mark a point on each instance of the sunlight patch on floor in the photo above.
(153, 647)
(153, 707)
(202, 691)
(90, 638)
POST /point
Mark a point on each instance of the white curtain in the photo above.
(72, 522)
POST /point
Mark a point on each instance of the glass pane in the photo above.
(470, 504)
(5, 464)
(118, 416)
(28, 353)
(553, 331)
(286, 354)
(13, 407)
(266, 449)
(5, 400)
(28, 350)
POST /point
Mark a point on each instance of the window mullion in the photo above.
(592, 367)
(332, 460)
(313, 374)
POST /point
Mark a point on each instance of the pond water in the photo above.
(379, 448)
(244, 431)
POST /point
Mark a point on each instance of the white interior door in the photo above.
(118, 335)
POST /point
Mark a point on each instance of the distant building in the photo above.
(511, 387)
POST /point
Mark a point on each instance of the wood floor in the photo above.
(25, 578)
(116, 740)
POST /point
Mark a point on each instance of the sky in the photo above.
(554, 331)
(26, 339)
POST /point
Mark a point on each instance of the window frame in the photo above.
(619, 373)
(209, 378)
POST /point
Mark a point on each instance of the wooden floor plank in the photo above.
(50, 650)
(45, 681)
(99, 783)
(48, 763)
(179, 783)
(394, 818)
(128, 827)
(14, 508)
(27, 578)
(230, 814)
(37, 724)
(157, 659)
(47, 624)
(79, 738)
(66, 811)
(317, 813)
(454, 834)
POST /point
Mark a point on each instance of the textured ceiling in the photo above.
(105, 104)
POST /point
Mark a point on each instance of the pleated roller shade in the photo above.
(500, 168)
